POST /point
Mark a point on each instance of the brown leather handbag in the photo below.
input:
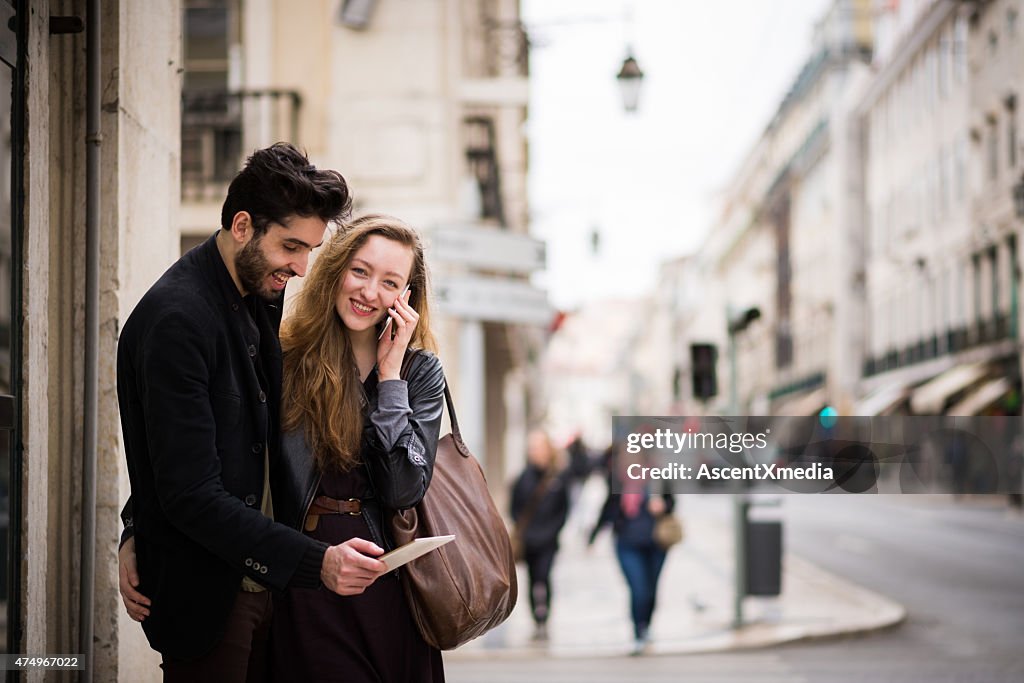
(468, 586)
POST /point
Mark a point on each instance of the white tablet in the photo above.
(410, 551)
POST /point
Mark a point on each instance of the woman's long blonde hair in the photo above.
(322, 393)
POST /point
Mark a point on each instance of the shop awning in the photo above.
(883, 401)
(807, 404)
(982, 398)
(930, 398)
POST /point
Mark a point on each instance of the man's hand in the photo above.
(350, 567)
(135, 602)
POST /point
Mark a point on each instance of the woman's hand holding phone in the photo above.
(391, 347)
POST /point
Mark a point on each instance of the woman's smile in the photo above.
(362, 309)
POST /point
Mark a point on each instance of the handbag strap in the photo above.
(460, 445)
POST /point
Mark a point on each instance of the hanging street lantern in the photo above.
(630, 77)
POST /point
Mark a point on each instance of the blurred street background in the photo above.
(953, 567)
(631, 207)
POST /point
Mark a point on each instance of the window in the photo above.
(943, 203)
(959, 295)
(933, 74)
(960, 176)
(993, 148)
(211, 130)
(931, 183)
(783, 344)
(960, 49)
(1011, 247)
(920, 201)
(993, 265)
(890, 220)
(481, 153)
(206, 45)
(942, 76)
(1011, 131)
(877, 232)
(945, 321)
(976, 276)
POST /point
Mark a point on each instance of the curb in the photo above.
(867, 613)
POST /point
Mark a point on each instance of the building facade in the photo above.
(91, 183)
(882, 194)
(780, 247)
(941, 155)
(421, 107)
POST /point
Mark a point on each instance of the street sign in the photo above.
(487, 249)
(493, 299)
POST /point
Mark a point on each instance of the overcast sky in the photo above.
(714, 74)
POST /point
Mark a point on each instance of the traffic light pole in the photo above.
(739, 503)
(734, 398)
(736, 322)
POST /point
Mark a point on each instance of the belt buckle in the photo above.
(357, 512)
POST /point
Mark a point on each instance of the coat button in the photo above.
(252, 350)
(234, 307)
(248, 562)
(257, 447)
(419, 460)
(256, 566)
(263, 570)
(250, 500)
(263, 397)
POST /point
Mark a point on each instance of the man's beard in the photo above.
(252, 269)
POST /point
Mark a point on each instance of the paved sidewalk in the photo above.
(590, 612)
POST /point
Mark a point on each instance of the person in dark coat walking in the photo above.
(540, 505)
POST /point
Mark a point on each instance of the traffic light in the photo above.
(703, 358)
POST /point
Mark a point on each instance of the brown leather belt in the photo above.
(324, 505)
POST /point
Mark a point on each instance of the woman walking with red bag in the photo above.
(633, 515)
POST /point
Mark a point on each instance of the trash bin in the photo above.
(763, 557)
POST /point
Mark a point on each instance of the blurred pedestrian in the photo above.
(633, 515)
(540, 505)
(581, 463)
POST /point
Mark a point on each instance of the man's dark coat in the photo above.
(196, 420)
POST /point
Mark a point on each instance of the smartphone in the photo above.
(387, 322)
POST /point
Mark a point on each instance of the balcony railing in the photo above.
(219, 128)
(987, 331)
